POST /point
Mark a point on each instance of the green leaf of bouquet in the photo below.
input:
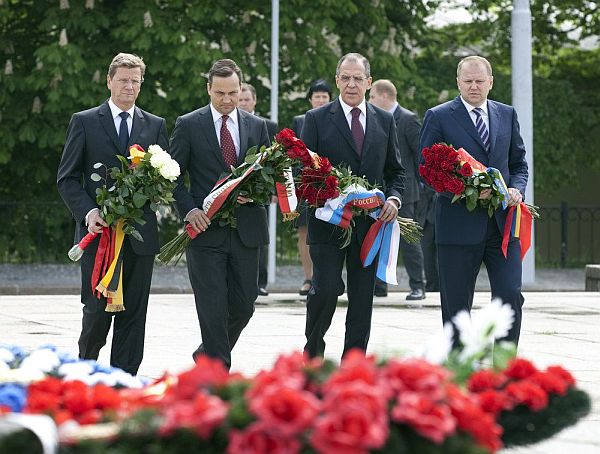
(471, 204)
(139, 199)
(98, 165)
(134, 233)
(469, 190)
(95, 177)
(455, 198)
(109, 218)
(503, 352)
(120, 209)
(153, 206)
(475, 181)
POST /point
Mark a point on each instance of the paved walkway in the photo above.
(558, 328)
(65, 280)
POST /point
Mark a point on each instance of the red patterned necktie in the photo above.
(227, 145)
(357, 130)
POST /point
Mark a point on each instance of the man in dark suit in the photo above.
(319, 94)
(383, 94)
(222, 261)
(98, 135)
(351, 132)
(489, 131)
(248, 103)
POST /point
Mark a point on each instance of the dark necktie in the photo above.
(227, 145)
(482, 128)
(123, 132)
(357, 130)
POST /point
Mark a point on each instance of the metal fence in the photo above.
(42, 232)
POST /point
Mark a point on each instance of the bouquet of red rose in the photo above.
(456, 171)
(263, 173)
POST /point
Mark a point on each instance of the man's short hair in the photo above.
(224, 68)
(354, 56)
(250, 88)
(475, 59)
(385, 87)
(123, 60)
(318, 86)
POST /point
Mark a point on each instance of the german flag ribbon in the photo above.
(518, 225)
(111, 285)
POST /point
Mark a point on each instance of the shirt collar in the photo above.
(469, 107)
(347, 109)
(216, 115)
(393, 108)
(115, 111)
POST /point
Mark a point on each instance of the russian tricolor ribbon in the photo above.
(382, 239)
(518, 225)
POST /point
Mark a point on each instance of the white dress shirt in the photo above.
(348, 114)
(485, 117)
(115, 111)
(232, 126)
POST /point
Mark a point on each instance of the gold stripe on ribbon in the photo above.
(111, 285)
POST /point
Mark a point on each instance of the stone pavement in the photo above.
(558, 328)
(52, 279)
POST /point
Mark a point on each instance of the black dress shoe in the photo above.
(416, 294)
(263, 291)
(380, 291)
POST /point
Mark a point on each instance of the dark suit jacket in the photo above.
(297, 124)
(408, 128)
(91, 138)
(450, 123)
(195, 146)
(326, 132)
(271, 127)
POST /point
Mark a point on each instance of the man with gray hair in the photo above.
(354, 133)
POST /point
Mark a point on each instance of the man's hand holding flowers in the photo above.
(514, 197)
(95, 222)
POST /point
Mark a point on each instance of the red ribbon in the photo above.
(524, 233)
(103, 258)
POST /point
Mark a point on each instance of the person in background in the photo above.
(248, 103)
(383, 94)
(319, 94)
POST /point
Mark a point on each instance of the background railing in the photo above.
(42, 232)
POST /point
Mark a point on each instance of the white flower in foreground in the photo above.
(75, 370)
(156, 149)
(439, 346)
(6, 355)
(125, 379)
(3, 366)
(170, 170)
(43, 359)
(159, 160)
(492, 322)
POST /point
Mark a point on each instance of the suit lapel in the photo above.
(107, 122)
(462, 117)
(339, 120)
(207, 127)
(495, 123)
(139, 122)
(244, 128)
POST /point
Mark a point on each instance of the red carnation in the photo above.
(413, 374)
(257, 439)
(494, 402)
(550, 383)
(324, 165)
(355, 367)
(284, 410)
(432, 420)
(202, 414)
(207, 372)
(519, 368)
(483, 380)
(562, 373)
(287, 138)
(528, 393)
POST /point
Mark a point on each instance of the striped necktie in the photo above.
(482, 128)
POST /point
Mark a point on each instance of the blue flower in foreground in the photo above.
(13, 396)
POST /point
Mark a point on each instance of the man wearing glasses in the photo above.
(354, 133)
(99, 135)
